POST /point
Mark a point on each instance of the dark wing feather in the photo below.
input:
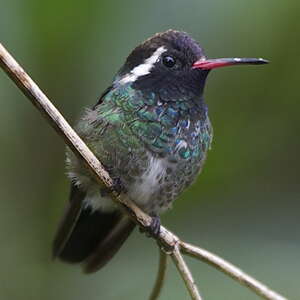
(110, 245)
(90, 236)
(69, 220)
(102, 96)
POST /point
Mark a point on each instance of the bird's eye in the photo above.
(169, 61)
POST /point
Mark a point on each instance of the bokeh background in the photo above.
(244, 206)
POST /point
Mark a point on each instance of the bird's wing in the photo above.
(69, 220)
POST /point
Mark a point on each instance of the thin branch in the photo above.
(185, 273)
(161, 275)
(71, 138)
(166, 239)
(229, 269)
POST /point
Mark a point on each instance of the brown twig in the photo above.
(229, 269)
(166, 239)
(185, 273)
(161, 275)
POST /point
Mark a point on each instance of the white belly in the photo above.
(140, 191)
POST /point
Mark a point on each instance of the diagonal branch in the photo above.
(71, 138)
(166, 239)
(229, 269)
(161, 275)
(185, 274)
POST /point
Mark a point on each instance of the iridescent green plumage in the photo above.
(128, 128)
(151, 131)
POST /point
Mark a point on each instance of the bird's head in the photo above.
(173, 65)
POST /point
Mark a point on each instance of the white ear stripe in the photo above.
(144, 68)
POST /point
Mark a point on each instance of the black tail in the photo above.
(91, 237)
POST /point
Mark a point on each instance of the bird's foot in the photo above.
(153, 230)
(117, 187)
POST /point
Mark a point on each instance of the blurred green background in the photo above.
(244, 206)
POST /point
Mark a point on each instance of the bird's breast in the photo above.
(144, 188)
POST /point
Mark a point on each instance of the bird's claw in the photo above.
(117, 186)
(153, 230)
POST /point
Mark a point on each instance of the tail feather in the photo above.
(68, 222)
(90, 229)
(89, 236)
(109, 246)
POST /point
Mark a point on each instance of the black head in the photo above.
(171, 64)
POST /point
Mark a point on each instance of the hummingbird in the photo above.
(151, 131)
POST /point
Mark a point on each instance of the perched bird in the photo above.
(151, 130)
